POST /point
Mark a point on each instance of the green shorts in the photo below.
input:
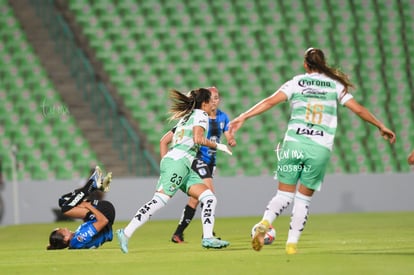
(175, 175)
(302, 162)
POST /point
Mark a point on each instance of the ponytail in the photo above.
(183, 105)
(315, 59)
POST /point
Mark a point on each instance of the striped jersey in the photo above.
(183, 145)
(217, 126)
(86, 236)
(313, 101)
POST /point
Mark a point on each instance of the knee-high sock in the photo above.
(277, 204)
(209, 202)
(186, 217)
(145, 212)
(70, 200)
(299, 217)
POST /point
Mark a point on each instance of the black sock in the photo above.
(70, 200)
(188, 215)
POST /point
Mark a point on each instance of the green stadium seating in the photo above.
(248, 49)
(26, 93)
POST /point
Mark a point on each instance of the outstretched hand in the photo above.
(387, 134)
(232, 142)
(410, 158)
(235, 125)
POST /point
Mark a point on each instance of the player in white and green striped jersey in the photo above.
(192, 110)
(308, 141)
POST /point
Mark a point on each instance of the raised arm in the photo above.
(257, 109)
(364, 114)
(101, 220)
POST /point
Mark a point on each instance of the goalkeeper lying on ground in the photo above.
(98, 216)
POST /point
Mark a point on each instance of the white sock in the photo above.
(277, 204)
(299, 217)
(208, 201)
(145, 212)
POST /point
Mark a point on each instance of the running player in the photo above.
(175, 167)
(205, 161)
(308, 141)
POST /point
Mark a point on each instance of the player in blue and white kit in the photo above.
(205, 162)
(98, 216)
(308, 142)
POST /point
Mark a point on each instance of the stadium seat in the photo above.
(253, 47)
(24, 118)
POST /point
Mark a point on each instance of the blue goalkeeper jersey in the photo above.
(217, 126)
(86, 236)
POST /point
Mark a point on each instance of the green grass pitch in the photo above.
(364, 243)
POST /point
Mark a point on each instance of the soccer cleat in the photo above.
(291, 248)
(214, 235)
(106, 182)
(258, 238)
(96, 177)
(122, 240)
(177, 238)
(214, 243)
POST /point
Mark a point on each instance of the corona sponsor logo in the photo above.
(315, 82)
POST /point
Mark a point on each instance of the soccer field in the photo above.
(369, 243)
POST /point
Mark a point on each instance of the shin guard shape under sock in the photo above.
(299, 217)
(209, 202)
(70, 200)
(277, 204)
(145, 212)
